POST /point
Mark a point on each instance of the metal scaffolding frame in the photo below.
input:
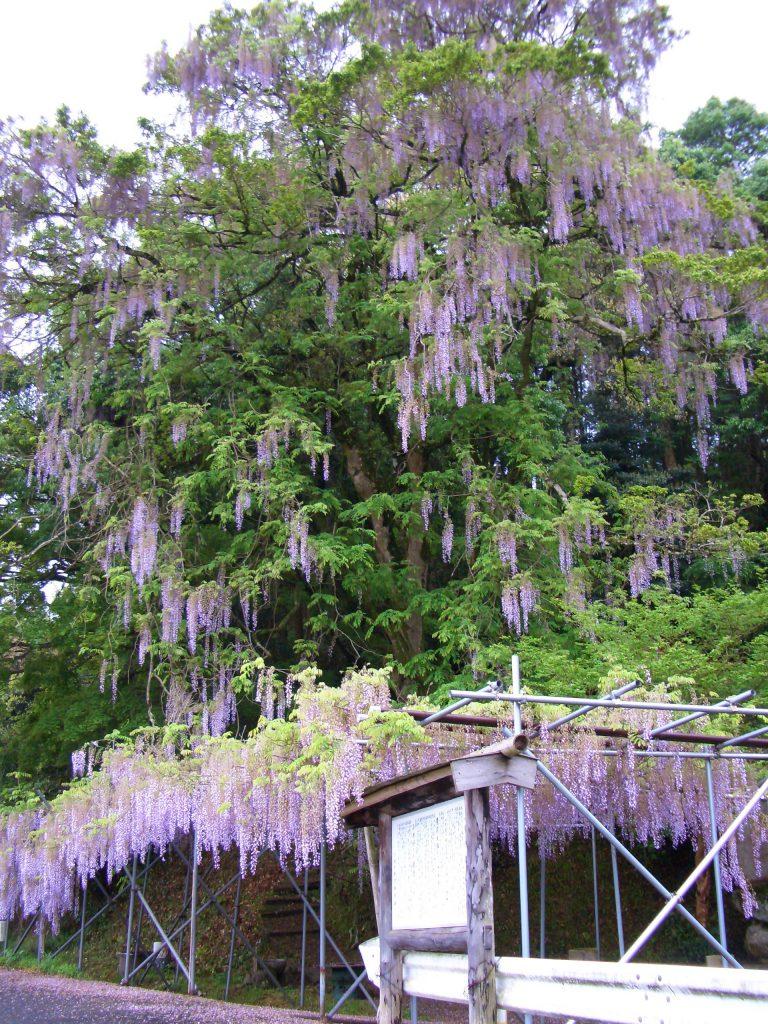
(200, 894)
(734, 705)
(110, 899)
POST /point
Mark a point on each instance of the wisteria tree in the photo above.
(401, 346)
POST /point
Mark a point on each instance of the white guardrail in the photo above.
(619, 993)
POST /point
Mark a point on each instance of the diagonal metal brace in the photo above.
(233, 924)
(24, 934)
(674, 899)
(574, 801)
(179, 928)
(348, 994)
(159, 928)
(111, 901)
(328, 935)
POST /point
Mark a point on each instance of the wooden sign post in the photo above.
(434, 872)
(481, 943)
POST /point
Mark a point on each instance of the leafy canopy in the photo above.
(401, 347)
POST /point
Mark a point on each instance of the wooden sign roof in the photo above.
(407, 792)
(503, 762)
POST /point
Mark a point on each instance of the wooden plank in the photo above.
(493, 770)
(373, 868)
(602, 991)
(481, 955)
(391, 981)
(431, 940)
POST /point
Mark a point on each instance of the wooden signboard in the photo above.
(434, 881)
(429, 864)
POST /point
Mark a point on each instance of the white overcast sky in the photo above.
(90, 54)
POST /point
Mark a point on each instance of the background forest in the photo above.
(402, 347)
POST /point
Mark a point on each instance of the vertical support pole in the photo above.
(596, 894)
(303, 979)
(40, 937)
(81, 940)
(183, 911)
(139, 921)
(391, 981)
(233, 936)
(616, 892)
(373, 869)
(542, 905)
(414, 1009)
(322, 970)
(191, 987)
(522, 853)
(481, 953)
(129, 925)
(716, 862)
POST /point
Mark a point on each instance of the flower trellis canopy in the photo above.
(284, 787)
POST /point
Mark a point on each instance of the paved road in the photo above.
(28, 998)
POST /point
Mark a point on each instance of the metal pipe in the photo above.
(355, 984)
(191, 987)
(617, 893)
(102, 910)
(414, 1009)
(601, 702)
(595, 894)
(574, 801)
(701, 755)
(674, 899)
(302, 981)
(331, 941)
(522, 852)
(232, 937)
(321, 956)
(181, 927)
(105, 891)
(492, 687)
(139, 921)
(542, 905)
(716, 862)
(166, 941)
(81, 942)
(40, 937)
(184, 904)
(736, 740)
(613, 695)
(214, 899)
(739, 698)
(24, 934)
(129, 926)
(491, 722)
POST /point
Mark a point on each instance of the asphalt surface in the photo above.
(29, 998)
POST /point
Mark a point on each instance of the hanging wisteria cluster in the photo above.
(284, 787)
